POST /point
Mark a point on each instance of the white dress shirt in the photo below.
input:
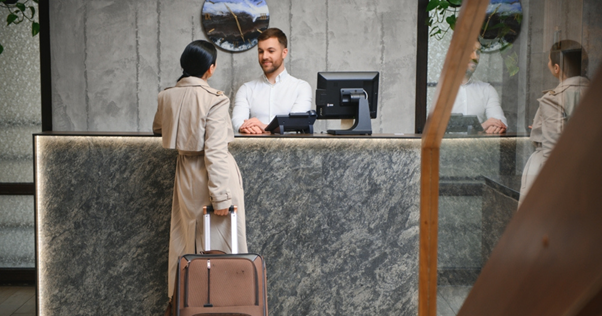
(479, 98)
(263, 100)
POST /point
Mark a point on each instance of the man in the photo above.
(480, 98)
(274, 93)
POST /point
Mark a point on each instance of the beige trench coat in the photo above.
(193, 118)
(555, 109)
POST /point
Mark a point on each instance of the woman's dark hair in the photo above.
(196, 59)
(571, 57)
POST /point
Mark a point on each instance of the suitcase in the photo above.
(216, 283)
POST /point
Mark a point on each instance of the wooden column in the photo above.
(465, 35)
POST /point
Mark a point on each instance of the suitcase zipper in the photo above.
(208, 284)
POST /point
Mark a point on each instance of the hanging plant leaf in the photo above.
(444, 5)
(432, 5)
(35, 28)
(456, 3)
(33, 12)
(20, 6)
(1, 49)
(451, 20)
(10, 19)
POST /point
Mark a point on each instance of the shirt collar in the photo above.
(191, 81)
(282, 76)
(473, 79)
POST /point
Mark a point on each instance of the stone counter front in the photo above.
(335, 219)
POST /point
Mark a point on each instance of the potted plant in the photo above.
(19, 11)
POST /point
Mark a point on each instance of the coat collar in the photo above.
(191, 81)
(576, 81)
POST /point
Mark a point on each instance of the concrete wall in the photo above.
(111, 58)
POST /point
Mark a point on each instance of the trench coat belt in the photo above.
(191, 153)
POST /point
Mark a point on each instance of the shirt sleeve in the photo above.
(157, 122)
(217, 137)
(242, 108)
(493, 108)
(304, 98)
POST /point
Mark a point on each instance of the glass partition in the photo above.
(498, 122)
(20, 117)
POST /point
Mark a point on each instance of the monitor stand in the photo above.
(363, 125)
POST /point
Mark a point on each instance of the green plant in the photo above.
(498, 32)
(18, 12)
(442, 11)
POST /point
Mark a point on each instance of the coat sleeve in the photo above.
(217, 136)
(157, 122)
(553, 121)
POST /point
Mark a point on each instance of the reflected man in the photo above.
(274, 93)
(567, 62)
(480, 98)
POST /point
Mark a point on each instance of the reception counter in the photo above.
(336, 218)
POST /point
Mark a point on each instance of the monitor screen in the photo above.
(329, 103)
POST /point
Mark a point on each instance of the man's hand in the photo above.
(222, 212)
(494, 126)
(252, 126)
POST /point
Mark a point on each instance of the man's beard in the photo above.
(271, 69)
(472, 67)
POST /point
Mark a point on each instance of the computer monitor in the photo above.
(348, 95)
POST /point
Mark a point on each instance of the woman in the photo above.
(193, 118)
(567, 62)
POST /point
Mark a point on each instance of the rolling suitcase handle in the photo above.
(207, 227)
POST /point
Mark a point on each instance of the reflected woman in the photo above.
(567, 62)
(193, 118)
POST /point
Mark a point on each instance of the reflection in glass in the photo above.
(567, 62)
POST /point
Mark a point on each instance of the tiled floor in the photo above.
(450, 298)
(17, 301)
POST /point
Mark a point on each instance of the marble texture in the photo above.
(335, 219)
(450, 299)
(471, 158)
(459, 232)
(466, 163)
(102, 225)
(498, 208)
(98, 85)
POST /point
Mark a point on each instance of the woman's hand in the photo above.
(222, 212)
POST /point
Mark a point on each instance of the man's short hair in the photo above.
(273, 32)
(570, 56)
